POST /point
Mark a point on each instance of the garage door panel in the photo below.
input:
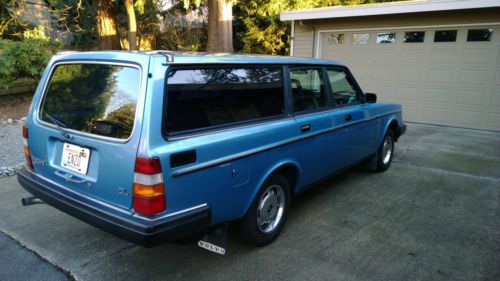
(473, 77)
(467, 118)
(409, 94)
(382, 74)
(476, 56)
(435, 114)
(383, 56)
(433, 95)
(443, 56)
(384, 92)
(497, 77)
(470, 97)
(411, 75)
(413, 56)
(359, 56)
(495, 99)
(494, 121)
(442, 76)
(410, 113)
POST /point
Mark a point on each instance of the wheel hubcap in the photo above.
(387, 150)
(270, 208)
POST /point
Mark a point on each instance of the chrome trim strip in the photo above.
(226, 159)
(139, 107)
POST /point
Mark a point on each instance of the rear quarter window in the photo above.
(199, 98)
(98, 99)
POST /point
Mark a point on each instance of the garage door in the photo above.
(446, 76)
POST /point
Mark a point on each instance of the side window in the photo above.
(343, 91)
(308, 89)
(198, 98)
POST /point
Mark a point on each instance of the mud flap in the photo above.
(216, 240)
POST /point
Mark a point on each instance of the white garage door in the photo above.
(447, 76)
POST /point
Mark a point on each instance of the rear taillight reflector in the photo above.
(149, 206)
(27, 153)
(149, 188)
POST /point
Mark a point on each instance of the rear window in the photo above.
(208, 97)
(98, 99)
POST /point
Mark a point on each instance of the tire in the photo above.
(259, 228)
(385, 152)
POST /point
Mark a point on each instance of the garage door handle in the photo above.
(348, 117)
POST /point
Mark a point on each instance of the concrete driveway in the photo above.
(434, 215)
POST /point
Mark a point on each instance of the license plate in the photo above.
(75, 158)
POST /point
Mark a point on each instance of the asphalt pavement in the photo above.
(434, 215)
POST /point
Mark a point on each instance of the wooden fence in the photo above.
(21, 86)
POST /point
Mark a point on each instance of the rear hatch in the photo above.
(85, 131)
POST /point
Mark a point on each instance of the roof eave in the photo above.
(387, 9)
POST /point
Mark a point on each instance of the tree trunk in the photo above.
(220, 26)
(213, 27)
(132, 25)
(106, 26)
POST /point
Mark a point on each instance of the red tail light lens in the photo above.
(149, 188)
(147, 166)
(27, 153)
(25, 132)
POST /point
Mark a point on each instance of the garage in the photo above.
(439, 59)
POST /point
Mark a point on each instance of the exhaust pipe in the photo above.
(31, 201)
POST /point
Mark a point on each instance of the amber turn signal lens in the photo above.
(149, 190)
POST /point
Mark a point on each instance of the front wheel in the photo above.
(268, 213)
(385, 152)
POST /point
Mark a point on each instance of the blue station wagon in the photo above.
(160, 146)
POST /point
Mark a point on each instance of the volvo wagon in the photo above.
(160, 146)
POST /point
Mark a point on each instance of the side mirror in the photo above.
(370, 98)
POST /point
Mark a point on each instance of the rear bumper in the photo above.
(127, 225)
(401, 131)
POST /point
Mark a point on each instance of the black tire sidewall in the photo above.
(249, 227)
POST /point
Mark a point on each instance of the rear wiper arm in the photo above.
(59, 124)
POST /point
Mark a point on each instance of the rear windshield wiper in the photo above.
(59, 124)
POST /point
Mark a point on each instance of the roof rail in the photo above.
(66, 52)
(169, 55)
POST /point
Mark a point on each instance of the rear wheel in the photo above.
(385, 152)
(268, 213)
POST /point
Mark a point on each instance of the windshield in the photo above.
(92, 98)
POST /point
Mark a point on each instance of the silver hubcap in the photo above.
(387, 150)
(270, 208)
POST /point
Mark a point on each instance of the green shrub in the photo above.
(25, 59)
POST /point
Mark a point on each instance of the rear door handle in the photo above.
(305, 128)
(348, 117)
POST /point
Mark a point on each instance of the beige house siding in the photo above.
(303, 41)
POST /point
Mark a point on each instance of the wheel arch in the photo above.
(291, 171)
(392, 124)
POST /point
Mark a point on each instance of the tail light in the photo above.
(27, 153)
(149, 189)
